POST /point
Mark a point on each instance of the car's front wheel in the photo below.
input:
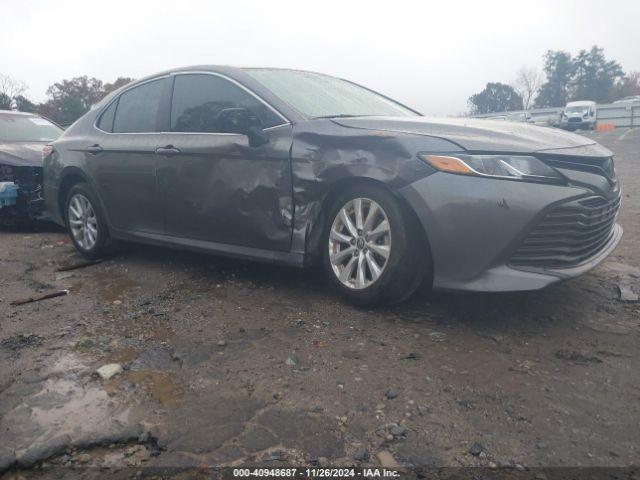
(373, 254)
(86, 223)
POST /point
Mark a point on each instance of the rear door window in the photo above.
(198, 99)
(137, 110)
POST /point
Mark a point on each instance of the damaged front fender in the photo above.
(326, 157)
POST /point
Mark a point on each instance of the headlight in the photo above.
(511, 167)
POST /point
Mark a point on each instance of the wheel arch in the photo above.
(316, 226)
(70, 176)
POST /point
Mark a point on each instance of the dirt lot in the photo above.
(235, 363)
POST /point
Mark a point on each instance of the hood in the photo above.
(480, 135)
(21, 154)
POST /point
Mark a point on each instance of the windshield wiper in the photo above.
(340, 115)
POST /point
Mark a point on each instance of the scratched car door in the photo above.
(215, 186)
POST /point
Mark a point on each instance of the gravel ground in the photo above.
(234, 363)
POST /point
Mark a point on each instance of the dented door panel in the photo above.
(219, 189)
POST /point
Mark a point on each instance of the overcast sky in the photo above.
(430, 55)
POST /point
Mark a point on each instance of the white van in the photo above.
(580, 114)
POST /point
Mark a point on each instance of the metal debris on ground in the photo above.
(23, 301)
(81, 264)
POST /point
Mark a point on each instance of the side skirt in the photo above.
(233, 251)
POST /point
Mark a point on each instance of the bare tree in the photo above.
(527, 83)
(11, 87)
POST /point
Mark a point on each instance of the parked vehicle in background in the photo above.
(298, 167)
(520, 117)
(547, 119)
(22, 138)
(579, 115)
(495, 117)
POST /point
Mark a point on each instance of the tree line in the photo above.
(589, 75)
(67, 100)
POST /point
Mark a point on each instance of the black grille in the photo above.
(600, 166)
(569, 234)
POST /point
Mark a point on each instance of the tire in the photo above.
(355, 275)
(82, 206)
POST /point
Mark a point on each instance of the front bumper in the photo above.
(575, 124)
(29, 205)
(475, 225)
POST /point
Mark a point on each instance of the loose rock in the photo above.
(292, 360)
(476, 449)
(627, 294)
(391, 393)
(387, 460)
(109, 371)
(361, 455)
(398, 431)
(83, 458)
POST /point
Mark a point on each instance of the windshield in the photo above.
(316, 95)
(577, 109)
(27, 128)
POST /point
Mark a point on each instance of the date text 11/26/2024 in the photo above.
(315, 473)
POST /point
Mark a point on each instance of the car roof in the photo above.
(238, 74)
(230, 70)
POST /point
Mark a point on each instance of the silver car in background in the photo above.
(22, 139)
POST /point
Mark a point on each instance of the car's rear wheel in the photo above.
(86, 223)
(373, 254)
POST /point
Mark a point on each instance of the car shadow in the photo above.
(32, 227)
(492, 311)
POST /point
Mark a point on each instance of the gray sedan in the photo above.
(299, 168)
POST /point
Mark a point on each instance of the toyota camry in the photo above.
(298, 168)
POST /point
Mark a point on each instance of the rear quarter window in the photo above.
(105, 122)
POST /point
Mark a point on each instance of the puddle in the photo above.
(161, 386)
(107, 286)
(66, 364)
(83, 410)
(67, 408)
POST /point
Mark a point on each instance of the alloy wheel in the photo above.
(83, 221)
(359, 243)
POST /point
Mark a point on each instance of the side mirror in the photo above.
(243, 121)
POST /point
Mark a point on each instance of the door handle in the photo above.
(168, 151)
(94, 149)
